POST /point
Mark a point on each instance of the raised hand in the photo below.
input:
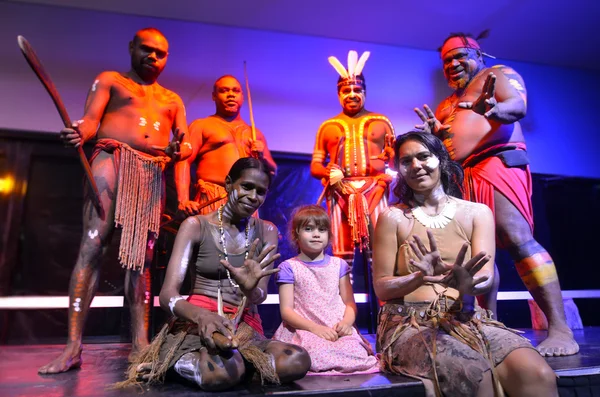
(430, 123)
(429, 262)
(388, 149)
(462, 276)
(252, 270)
(173, 149)
(486, 103)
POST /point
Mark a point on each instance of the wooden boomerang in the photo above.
(40, 72)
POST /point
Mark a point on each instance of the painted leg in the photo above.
(211, 373)
(139, 298)
(137, 292)
(538, 273)
(291, 362)
(84, 278)
(537, 270)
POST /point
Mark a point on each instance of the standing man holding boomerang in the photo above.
(132, 116)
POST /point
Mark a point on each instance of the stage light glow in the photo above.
(7, 184)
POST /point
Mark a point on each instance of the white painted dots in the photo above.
(156, 125)
(77, 304)
(143, 121)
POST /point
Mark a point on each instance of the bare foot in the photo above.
(143, 371)
(558, 343)
(70, 358)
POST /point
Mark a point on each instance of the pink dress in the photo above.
(317, 298)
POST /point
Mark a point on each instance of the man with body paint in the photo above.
(132, 117)
(479, 124)
(350, 156)
(218, 141)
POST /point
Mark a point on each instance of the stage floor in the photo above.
(579, 375)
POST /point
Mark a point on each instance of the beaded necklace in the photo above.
(224, 247)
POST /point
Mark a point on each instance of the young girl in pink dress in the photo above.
(317, 302)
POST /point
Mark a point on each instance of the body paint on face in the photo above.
(233, 195)
(143, 121)
(432, 163)
(352, 93)
(156, 125)
(467, 61)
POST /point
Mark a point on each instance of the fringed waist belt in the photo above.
(356, 192)
(138, 207)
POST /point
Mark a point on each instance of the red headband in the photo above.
(459, 42)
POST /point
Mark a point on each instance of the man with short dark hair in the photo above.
(132, 117)
(218, 141)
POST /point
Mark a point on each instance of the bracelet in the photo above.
(262, 293)
(173, 301)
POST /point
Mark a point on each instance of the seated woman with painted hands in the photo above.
(430, 326)
(460, 276)
(216, 338)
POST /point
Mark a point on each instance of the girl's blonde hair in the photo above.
(302, 216)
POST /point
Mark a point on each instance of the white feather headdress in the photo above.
(355, 67)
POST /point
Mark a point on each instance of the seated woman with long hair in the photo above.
(215, 338)
(433, 253)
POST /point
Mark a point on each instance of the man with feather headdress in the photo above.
(350, 157)
(479, 124)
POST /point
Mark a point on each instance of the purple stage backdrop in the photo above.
(293, 86)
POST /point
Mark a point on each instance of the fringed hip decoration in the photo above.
(443, 314)
(139, 206)
(358, 218)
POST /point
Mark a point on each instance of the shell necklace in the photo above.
(438, 221)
